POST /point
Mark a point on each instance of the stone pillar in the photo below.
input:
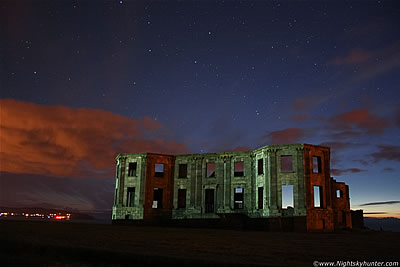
(299, 199)
(142, 181)
(267, 179)
(224, 186)
(327, 176)
(122, 181)
(228, 182)
(199, 181)
(273, 183)
(307, 177)
(193, 177)
(219, 169)
(253, 184)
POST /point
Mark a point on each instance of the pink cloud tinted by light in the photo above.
(62, 141)
(356, 56)
(360, 119)
(286, 136)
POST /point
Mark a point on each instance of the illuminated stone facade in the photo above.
(211, 186)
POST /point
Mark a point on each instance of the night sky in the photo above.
(82, 81)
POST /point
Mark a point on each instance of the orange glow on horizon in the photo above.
(386, 215)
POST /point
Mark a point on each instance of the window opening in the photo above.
(260, 197)
(132, 169)
(286, 164)
(130, 198)
(181, 198)
(209, 201)
(157, 198)
(287, 196)
(210, 170)
(239, 169)
(159, 170)
(316, 164)
(182, 170)
(238, 198)
(260, 164)
(317, 196)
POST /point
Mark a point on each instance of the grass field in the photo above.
(59, 243)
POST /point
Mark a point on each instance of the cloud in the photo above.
(62, 141)
(381, 203)
(380, 61)
(300, 117)
(150, 124)
(387, 60)
(345, 134)
(338, 145)
(397, 118)
(286, 136)
(370, 64)
(359, 119)
(302, 103)
(354, 57)
(340, 172)
(362, 161)
(386, 152)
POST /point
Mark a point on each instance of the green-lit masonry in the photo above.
(203, 186)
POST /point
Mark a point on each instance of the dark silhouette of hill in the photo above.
(384, 224)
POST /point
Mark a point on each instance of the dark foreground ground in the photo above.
(58, 243)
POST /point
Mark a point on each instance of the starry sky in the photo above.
(82, 81)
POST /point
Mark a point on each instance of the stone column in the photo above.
(299, 199)
(273, 182)
(142, 178)
(327, 175)
(193, 177)
(228, 183)
(253, 185)
(199, 181)
(122, 181)
(219, 169)
(307, 177)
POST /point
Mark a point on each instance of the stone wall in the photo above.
(341, 205)
(124, 181)
(266, 170)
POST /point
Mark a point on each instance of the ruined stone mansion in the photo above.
(273, 185)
